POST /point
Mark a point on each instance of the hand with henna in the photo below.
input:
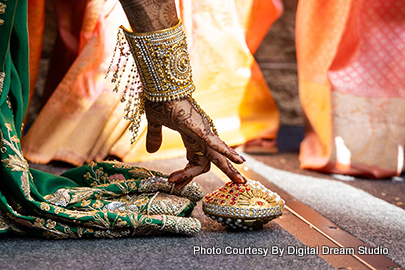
(203, 146)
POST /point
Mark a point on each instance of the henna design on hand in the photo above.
(203, 147)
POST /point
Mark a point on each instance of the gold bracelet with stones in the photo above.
(163, 63)
(161, 71)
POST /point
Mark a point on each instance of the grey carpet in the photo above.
(372, 220)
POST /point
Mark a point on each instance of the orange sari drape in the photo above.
(83, 119)
(351, 67)
(36, 18)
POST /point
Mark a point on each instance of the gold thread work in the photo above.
(2, 77)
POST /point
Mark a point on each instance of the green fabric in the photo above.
(107, 199)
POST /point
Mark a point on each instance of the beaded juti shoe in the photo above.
(243, 206)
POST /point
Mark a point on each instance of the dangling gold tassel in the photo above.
(132, 94)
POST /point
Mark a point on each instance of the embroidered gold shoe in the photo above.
(243, 206)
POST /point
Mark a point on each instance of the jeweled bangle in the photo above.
(163, 63)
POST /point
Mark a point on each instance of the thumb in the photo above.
(153, 137)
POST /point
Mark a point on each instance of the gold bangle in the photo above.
(163, 63)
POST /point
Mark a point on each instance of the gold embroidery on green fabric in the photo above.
(44, 206)
(111, 207)
(143, 225)
(2, 76)
(192, 191)
(63, 197)
(187, 226)
(79, 194)
(97, 176)
(166, 204)
(79, 214)
(50, 231)
(2, 8)
(9, 103)
(72, 213)
(129, 204)
(117, 164)
(148, 204)
(55, 229)
(17, 162)
(141, 173)
(60, 197)
(101, 179)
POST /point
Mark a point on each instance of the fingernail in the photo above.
(243, 158)
(239, 179)
(242, 179)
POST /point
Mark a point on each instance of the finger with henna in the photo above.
(186, 175)
(225, 166)
(153, 137)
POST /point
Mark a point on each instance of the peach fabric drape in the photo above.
(351, 66)
(83, 119)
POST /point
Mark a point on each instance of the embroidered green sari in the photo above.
(108, 199)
